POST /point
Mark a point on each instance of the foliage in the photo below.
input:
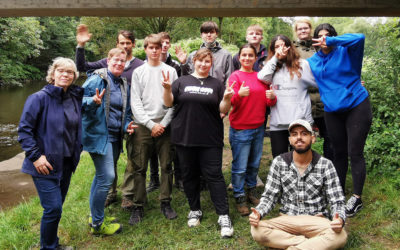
(58, 38)
(19, 41)
(382, 73)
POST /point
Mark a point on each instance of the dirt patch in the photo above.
(15, 187)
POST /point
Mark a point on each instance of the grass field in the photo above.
(377, 226)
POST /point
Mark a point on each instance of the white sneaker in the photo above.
(226, 226)
(194, 218)
(259, 182)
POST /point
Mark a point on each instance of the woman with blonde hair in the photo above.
(50, 134)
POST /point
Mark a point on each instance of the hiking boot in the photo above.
(353, 205)
(137, 215)
(126, 204)
(226, 226)
(241, 206)
(107, 220)
(154, 184)
(252, 196)
(194, 218)
(167, 211)
(106, 229)
(110, 200)
(259, 184)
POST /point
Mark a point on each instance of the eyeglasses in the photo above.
(118, 61)
(68, 71)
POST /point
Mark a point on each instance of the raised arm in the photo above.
(267, 72)
(82, 37)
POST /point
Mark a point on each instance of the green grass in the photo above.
(376, 227)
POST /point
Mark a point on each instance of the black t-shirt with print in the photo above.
(196, 120)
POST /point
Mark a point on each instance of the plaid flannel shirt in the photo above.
(307, 194)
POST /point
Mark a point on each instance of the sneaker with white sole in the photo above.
(226, 226)
(194, 218)
(353, 205)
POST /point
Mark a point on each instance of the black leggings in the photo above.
(348, 132)
(279, 142)
(328, 149)
(206, 162)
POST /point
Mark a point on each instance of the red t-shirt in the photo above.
(248, 112)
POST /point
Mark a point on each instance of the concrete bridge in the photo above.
(193, 8)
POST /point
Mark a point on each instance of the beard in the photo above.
(302, 150)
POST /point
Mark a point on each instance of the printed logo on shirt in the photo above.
(279, 87)
(198, 90)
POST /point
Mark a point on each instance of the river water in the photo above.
(12, 102)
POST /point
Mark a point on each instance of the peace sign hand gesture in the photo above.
(281, 52)
(244, 90)
(229, 91)
(97, 97)
(166, 83)
(319, 41)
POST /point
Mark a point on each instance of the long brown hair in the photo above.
(292, 59)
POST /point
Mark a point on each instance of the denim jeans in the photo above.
(102, 180)
(52, 193)
(246, 145)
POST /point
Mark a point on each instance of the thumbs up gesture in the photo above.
(244, 90)
(98, 97)
(254, 217)
(337, 223)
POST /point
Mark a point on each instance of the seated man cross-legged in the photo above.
(306, 184)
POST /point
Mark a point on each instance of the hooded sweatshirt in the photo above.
(338, 73)
(293, 101)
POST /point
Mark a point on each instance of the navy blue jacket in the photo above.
(42, 127)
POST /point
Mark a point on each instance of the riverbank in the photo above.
(15, 187)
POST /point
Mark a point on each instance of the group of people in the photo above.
(170, 111)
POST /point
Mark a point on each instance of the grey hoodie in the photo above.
(293, 101)
(222, 66)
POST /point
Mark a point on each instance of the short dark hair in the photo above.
(127, 34)
(327, 27)
(209, 26)
(248, 45)
(164, 35)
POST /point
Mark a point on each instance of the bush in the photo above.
(381, 73)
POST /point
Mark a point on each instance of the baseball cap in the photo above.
(301, 122)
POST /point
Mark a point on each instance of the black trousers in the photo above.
(348, 131)
(279, 142)
(206, 162)
(154, 166)
(323, 132)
